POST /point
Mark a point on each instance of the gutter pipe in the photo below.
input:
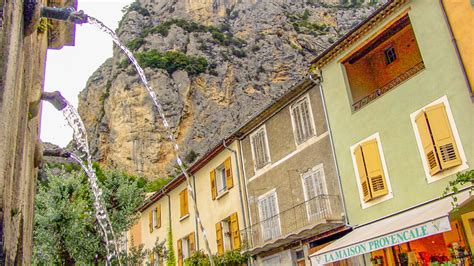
(238, 183)
(318, 81)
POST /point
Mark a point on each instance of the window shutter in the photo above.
(180, 253)
(445, 144)
(150, 220)
(212, 174)
(158, 216)
(219, 239)
(192, 244)
(152, 258)
(364, 182)
(427, 142)
(373, 165)
(181, 203)
(234, 231)
(228, 173)
(186, 203)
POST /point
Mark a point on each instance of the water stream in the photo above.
(166, 125)
(85, 160)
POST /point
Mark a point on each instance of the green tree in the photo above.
(66, 230)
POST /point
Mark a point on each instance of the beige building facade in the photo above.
(292, 183)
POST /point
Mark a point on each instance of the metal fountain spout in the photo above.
(65, 13)
(55, 98)
(33, 11)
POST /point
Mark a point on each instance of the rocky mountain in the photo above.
(212, 63)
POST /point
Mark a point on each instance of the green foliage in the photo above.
(157, 184)
(65, 227)
(43, 25)
(136, 6)
(136, 43)
(172, 61)
(170, 257)
(462, 179)
(221, 34)
(137, 254)
(66, 167)
(124, 63)
(229, 258)
(302, 25)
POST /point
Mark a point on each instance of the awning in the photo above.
(429, 219)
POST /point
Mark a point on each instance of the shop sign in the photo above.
(388, 240)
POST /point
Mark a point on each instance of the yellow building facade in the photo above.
(220, 198)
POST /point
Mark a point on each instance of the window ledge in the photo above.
(184, 217)
(222, 194)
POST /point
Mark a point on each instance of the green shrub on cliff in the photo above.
(172, 61)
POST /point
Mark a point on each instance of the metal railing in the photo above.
(305, 215)
(388, 86)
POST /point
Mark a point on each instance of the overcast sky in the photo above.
(68, 69)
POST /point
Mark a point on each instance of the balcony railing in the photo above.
(389, 85)
(304, 216)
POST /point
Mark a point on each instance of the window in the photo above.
(259, 145)
(370, 170)
(302, 120)
(183, 203)
(228, 234)
(269, 218)
(381, 64)
(437, 140)
(154, 218)
(221, 179)
(390, 55)
(315, 192)
(186, 247)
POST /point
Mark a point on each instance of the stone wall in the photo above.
(22, 68)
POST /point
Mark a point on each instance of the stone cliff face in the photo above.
(254, 50)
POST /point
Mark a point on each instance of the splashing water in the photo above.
(80, 137)
(157, 104)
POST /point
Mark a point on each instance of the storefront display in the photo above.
(429, 235)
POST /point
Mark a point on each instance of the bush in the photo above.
(136, 43)
(136, 6)
(172, 61)
(229, 258)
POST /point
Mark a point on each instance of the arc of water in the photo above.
(80, 137)
(170, 134)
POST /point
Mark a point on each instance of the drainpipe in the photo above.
(318, 81)
(169, 209)
(195, 217)
(238, 183)
(456, 49)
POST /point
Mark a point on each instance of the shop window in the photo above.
(260, 153)
(389, 59)
(302, 120)
(186, 247)
(315, 193)
(228, 234)
(221, 179)
(269, 218)
(183, 203)
(370, 169)
(439, 146)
